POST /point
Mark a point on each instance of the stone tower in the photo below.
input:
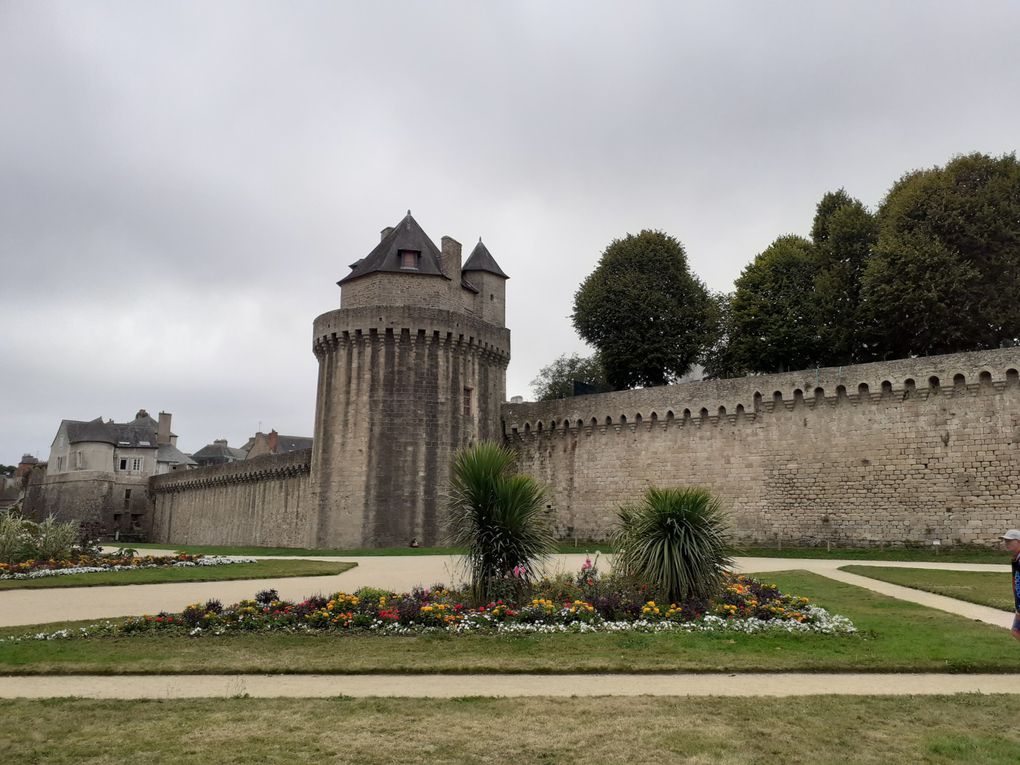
(412, 367)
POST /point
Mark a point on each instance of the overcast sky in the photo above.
(182, 184)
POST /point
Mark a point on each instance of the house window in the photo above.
(79, 460)
(467, 401)
(60, 463)
(409, 259)
(127, 498)
(136, 463)
(123, 463)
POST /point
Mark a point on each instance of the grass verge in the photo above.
(908, 554)
(727, 731)
(897, 636)
(266, 569)
(949, 555)
(983, 588)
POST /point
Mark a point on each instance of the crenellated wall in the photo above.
(907, 451)
(263, 501)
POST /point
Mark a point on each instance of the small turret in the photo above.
(484, 273)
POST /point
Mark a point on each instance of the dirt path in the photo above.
(452, 686)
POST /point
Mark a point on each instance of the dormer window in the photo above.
(409, 259)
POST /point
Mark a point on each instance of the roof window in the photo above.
(409, 259)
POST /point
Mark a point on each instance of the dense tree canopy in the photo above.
(945, 275)
(644, 311)
(557, 380)
(935, 270)
(772, 315)
(844, 234)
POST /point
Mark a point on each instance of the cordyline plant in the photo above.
(676, 540)
(499, 516)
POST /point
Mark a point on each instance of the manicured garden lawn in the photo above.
(948, 555)
(925, 554)
(896, 637)
(274, 551)
(730, 731)
(269, 569)
(984, 588)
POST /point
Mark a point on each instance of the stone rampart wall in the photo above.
(908, 451)
(262, 501)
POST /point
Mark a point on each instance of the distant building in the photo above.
(219, 452)
(273, 443)
(99, 471)
(12, 485)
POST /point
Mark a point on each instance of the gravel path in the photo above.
(19, 607)
(36, 606)
(453, 686)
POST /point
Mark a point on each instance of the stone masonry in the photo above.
(412, 367)
(912, 451)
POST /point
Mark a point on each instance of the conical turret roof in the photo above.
(406, 235)
(481, 260)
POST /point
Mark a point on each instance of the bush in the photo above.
(499, 516)
(15, 539)
(54, 541)
(675, 541)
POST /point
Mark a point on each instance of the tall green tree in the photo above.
(719, 360)
(557, 380)
(945, 275)
(844, 234)
(773, 321)
(644, 311)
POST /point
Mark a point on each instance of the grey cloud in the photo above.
(183, 184)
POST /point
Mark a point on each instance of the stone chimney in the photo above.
(451, 259)
(163, 431)
(141, 413)
(274, 441)
(385, 232)
(220, 442)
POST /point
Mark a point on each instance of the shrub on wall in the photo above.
(676, 540)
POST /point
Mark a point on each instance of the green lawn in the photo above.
(947, 555)
(268, 569)
(916, 554)
(984, 588)
(274, 551)
(889, 730)
(897, 637)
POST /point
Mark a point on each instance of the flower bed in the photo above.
(746, 605)
(86, 564)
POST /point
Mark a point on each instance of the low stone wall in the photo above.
(909, 451)
(260, 502)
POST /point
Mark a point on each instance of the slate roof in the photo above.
(173, 455)
(286, 444)
(406, 235)
(218, 451)
(140, 432)
(481, 260)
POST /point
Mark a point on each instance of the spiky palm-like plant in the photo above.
(676, 540)
(498, 516)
